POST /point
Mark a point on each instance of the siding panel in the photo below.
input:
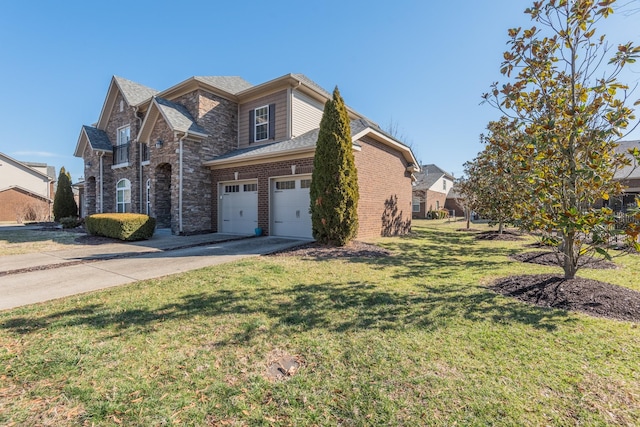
(306, 114)
(280, 100)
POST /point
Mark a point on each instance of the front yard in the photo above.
(414, 338)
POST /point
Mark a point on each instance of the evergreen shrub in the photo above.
(122, 226)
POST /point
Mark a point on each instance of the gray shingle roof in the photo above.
(230, 84)
(178, 117)
(632, 171)
(134, 93)
(306, 140)
(429, 175)
(98, 139)
(306, 80)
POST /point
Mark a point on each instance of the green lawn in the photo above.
(15, 241)
(412, 339)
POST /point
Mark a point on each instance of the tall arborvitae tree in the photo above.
(334, 184)
(64, 205)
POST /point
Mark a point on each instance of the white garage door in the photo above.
(238, 207)
(290, 207)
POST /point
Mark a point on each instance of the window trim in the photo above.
(126, 190)
(148, 193)
(255, 123)
(415, 203)
(118, 133)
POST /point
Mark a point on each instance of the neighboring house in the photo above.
(629, 176)
(26, 190)
(216, 153)
(430, 190)
(454, 203)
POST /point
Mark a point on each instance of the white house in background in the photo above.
(430, 190)
(26, 190)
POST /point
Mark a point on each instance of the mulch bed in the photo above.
(550, 258)
(584, 295)
(353, 249)
(508, 236)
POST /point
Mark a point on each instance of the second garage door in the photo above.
(290, 207)
(238, 207)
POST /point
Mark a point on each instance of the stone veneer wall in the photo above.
(111, 176)
(219, 117)
(92, 205)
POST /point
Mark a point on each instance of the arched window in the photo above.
(123, 196)
(148, 197)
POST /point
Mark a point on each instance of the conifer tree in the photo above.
(334, 183)
(64, 205)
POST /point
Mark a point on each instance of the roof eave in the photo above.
(406, 151)
(215, 163)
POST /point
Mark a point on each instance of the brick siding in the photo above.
(17, 205)
(385, 205)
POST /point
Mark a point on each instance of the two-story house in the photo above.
(217, 153)
(430, 190)
(26, 190)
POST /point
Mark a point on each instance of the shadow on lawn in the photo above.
(440, 255)
(335, 307)
(342, 307)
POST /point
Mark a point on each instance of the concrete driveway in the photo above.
(88, 269)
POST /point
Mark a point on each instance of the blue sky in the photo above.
(419, 64)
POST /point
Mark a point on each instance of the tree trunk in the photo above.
(570, 265)
(468, 215)
(500, 227)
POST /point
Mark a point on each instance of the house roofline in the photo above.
(297, 153)
(390, 142)
(19, 163)
(26, 190)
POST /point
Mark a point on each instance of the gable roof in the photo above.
(429, 175)
(132, 92)
(177, 117)
(230, 84)
(93, 138)
(632, 171)
(25, 191)
(25, 166)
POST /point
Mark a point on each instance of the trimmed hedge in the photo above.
(123, 226)
(441, 214)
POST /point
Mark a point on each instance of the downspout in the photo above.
(238, 128)
(135, 113)
(290, 109)
(101, 184)
(180, 184)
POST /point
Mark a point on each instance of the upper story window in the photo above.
(444, 184)
(124, 135)
(262, 123)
